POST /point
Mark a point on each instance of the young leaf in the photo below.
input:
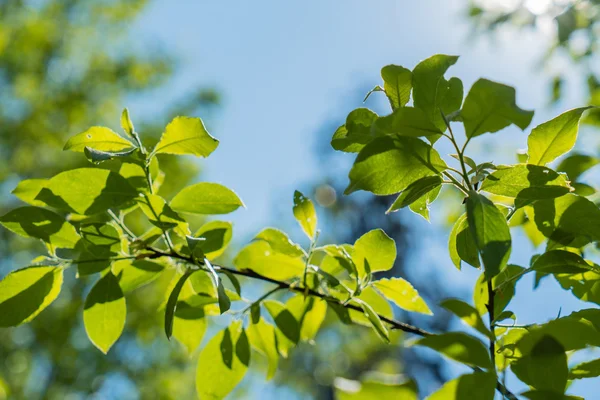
(172, 303)
(87, 191)
(406, 121)
(304, 211)
(402, 293)
(389, 164)
(126, 123)
(415, 191)
(460, 347)
(27, 292)
(376, 247)
(223, 363)
(490, 231)
(421, 205)
(206, 198)
(136, 274)
(526, 183)
(42, 224)
(216, 235)
(554, 138)
(104, 313)
(397, 83)
(185, 135)
(356, 133)
(376, 323)
(310, 312)
(468, 314)
(262, 337)
(432, 93)
(479, 385)
(189, 326)
(490, 107)
(98, 138)
(264, 260)
(280, 242)
(461, 244)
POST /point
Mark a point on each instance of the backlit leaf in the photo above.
(370, 390)
(406, 121)
(479, 385)
(98, 138)
(376, 322)
(461, 244)
(280, 242)
(206, 198)
(459, 347)
(217, 235)
(262, 337)
(376, 247)
(356, 133)
(403, 294)
(467, 313)
(304, 211)
(262, 259)
(185, 135)
(415, 191)
(397, 83)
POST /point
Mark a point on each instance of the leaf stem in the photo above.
(121, 224)
(261, 298)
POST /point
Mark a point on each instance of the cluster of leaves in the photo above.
(83, 216)
(396, 155)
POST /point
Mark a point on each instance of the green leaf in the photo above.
(561, 262)
(526, 183)
(98, 138)
(27, 292)
(136, 274)
(126, 123)
(280, 242)
(376, 301)
(310, 312)
(376, 323)
(224, 301)
(406, 121)
(87, 191)
(98, 156)
(554, 138)
(172, 303)
(431, 92)
(569, 220)
(28, 189)
(588, 369)
(288, 327)
(574, 165)
(468, 314)
(42, 224)
(376, 247)
(545, 367)
(356, 133)
(397, 83)
(261, 258)
(223, 363)
(217, 235)
(189, 326)
(490, 107)
(104, 313)
(158, 212)
(490, 231)
(305, 214)
(460, 347)
(262, 337)
(421, 205)
(185, 135)
(206, 198)
(415, 191)
(479, 385)
(548, 395)
(504, 286)
(389, 164)
(402, 293)
(461, 244)
(370, 390)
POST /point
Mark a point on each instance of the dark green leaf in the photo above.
(415, 191)
(172, 303)
(224, 301)
(216, 235)
(98, 156)
(490, 232)
(504, 285)
(588, 369)
(490, 107)
(462, 245)
(561, 261)
(460, 347)
(575, 165)
(421, 205)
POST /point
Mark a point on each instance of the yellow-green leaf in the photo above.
(126, 122)
(479, 385)
(217, 235)
(397, 83)
(185, 135)
(377, 248)
(403, 294)
(262, 337)
(370, 390)
(264, 260)
(467, 313)
(104, 312)
(27, 292)
(98, 138)
(28, 189)
(304, 211)
(206, 198)
(189, 326)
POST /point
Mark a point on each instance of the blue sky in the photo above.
(287, 68)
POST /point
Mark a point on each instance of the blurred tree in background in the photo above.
(574, 29)
(65, 65)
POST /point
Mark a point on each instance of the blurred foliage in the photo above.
(64, 65)
(574, 29)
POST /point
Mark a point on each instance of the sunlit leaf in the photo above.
(403, 294)
(460, 347)
(545, 367)
(28, 189)
(280, 242)
(376, 322)
(397, 83)
(461, 244)
(467, 314)
(305, 214)
(406, 121)
(185, 135)
(356, 133)
(136, 274)
(216, 235)
(377, 248)
(479, 385)
(206, 198)
(158, 212)
(370, 390)
(415, 191)
(98, 138)
(262, 337)
(577, 164)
